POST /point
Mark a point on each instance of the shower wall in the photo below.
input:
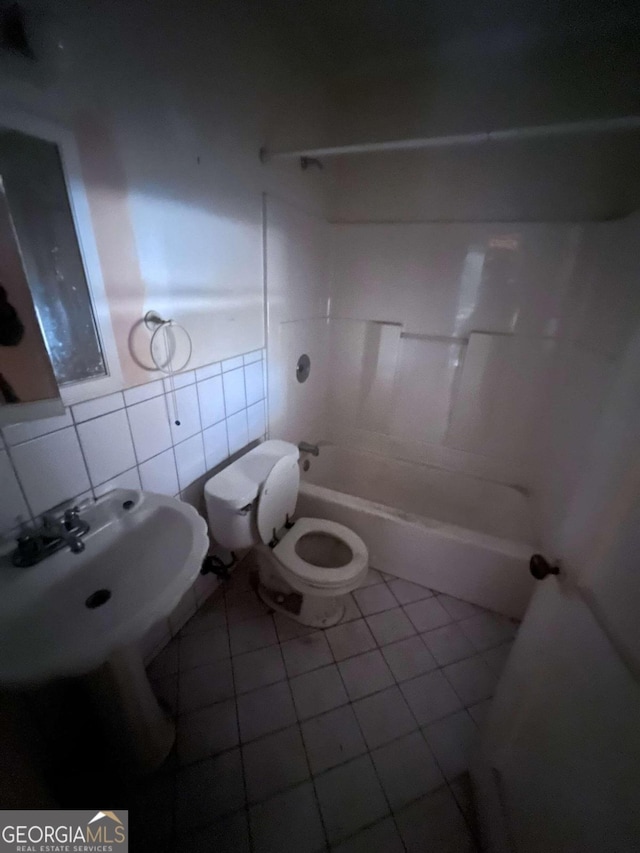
(442, 337)
(297, 248)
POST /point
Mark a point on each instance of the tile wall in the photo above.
(130, 440)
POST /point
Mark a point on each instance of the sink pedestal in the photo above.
(139, 732)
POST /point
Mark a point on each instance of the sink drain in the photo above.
(98, 598)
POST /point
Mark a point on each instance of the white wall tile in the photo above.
(253, 382)
(180, 380)
(99, 406)
(107, 446)
(188, 413)
(159, 474)
(211, 397)
(237, 432)
(12, 504)
(234, 393)
(216, 446)
(189, 460)
(250, 357)
(127, 480)
(207, 372)
(232, 363)
(143, 392)
(150, 427)
(256, 421)
(51, 469)
(17, 433)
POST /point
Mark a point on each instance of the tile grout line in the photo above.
(280, 642)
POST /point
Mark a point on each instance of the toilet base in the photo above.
(312, 610)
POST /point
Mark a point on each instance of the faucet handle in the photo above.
(71, 517)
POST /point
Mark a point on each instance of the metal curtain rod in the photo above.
(607, 125)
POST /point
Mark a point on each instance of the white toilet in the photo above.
(306, 566)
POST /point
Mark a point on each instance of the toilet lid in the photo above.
(278, 497)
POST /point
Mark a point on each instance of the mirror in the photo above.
(26, 374)
(44, 280)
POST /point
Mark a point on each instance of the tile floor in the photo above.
(351, 739)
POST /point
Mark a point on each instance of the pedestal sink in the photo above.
(82, 615)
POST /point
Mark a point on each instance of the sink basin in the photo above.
(66, 615)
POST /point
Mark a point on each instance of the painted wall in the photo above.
(597, 328)
(297, 263)
(169, 112)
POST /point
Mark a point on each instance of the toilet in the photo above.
(306, 565)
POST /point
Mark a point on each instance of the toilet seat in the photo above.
(321, 579)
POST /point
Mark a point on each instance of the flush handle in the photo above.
(540, 567)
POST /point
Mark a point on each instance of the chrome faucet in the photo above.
(53, 534)
(305, 447)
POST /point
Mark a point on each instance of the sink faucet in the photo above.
(305, 447)
(53, 534)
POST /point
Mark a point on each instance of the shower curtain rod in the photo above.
(607, 125)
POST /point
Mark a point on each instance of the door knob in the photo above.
(540, 567)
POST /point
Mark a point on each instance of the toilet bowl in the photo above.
(306, 566)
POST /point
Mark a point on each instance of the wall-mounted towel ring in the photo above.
(171, 349)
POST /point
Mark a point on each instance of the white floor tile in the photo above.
(434, 823)
(274, 763)
(374, 599)
(457, 608)
(228, 833)
(288, 628)
(306, 653)
(350, 798)
(351, 609)
(451, 740)
(373, 577)
(390, 626)
(407, 769)
(205, 685)
(211, 615)
(207, 731)
(349, 639)
(318, 691)
(383, 717)
(479, 711)
(448, 644)
(204, 648)
(409, 658)
(407, 592)
(471, 679)
(245, 605)
(332, 738)
(365, 674)
(200, 798)
(428, 614)
(258, 669)
(430, 697)
(252, 634)
(265, 710)
(487, 630)
(288, 822)
(382, 837)
(165, 663)
(496, 658)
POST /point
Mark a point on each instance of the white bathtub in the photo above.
(457, 534)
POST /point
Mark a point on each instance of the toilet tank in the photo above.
(231, 496)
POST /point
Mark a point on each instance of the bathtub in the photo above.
(454, 533)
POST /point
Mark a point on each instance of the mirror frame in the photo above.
(81, 215)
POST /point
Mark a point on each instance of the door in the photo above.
(559, 762)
